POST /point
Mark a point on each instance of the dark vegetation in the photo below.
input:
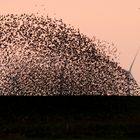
(41, 56)
(69, 117)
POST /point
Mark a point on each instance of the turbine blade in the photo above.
(130, 75)
(134, 60)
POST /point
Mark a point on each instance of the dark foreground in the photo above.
(96, 118)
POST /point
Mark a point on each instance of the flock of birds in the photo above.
(41, 56)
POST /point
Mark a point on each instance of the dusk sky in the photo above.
(115, 21)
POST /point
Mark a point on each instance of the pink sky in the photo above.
(116, 21)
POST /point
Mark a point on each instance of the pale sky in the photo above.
(115, 21)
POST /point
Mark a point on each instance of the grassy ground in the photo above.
(72, 139)
(86, 119)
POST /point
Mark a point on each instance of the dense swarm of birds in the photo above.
(41, 56)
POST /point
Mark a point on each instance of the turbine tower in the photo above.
(130, 76)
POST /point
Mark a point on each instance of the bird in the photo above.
(129, 72)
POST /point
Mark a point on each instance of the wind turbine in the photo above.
(129, 72)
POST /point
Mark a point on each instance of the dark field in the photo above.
(96, 118)
(74, 139)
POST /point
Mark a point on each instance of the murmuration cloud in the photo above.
(41, 56)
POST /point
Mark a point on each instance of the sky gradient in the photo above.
(115, 21)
